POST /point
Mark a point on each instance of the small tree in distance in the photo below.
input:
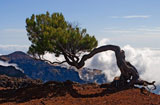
(53, 34)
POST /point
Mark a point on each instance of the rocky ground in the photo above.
(15, 83)
(69, 93)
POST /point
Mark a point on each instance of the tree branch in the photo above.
(114, 48)
(48, 61)
(68, 54)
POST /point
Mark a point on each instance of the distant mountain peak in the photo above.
(15, 55)
(18, 53)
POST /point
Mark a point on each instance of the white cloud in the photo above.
(52, 57)
(136, 16)
(118, 31)
(115, 17)
(146, 60)
(103, 41)
(10, 64)
(138, 30)
(132, 16)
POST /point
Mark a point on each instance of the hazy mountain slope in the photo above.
(39, 69)
(11, 71)
(92, 75)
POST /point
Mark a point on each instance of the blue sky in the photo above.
(133, 22)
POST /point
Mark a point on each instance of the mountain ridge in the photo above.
(37, 69)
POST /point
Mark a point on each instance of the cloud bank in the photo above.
(137, 30)
(2, 63)
(146, 60)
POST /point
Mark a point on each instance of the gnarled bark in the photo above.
(95, 51)
(128, 71)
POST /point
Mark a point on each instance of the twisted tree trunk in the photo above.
(128, 71)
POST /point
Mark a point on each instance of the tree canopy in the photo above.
(53, 34)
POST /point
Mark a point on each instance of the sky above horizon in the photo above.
(122, 22)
